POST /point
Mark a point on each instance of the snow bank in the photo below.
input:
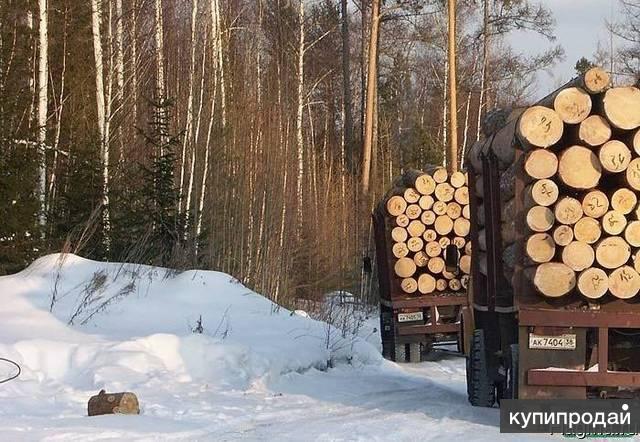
(79, 325)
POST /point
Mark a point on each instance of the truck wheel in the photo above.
(512, 372)
(480, 389)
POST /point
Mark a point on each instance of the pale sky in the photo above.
(580, 24)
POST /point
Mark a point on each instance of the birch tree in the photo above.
(43, 71)
(96, 18)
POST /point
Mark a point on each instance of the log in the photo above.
(464, 281)
(444, 242)
(636, 261)
(507, 182)
(552, 279)
(411, 195)
(542, 193)
(540, 247)
(539, 126)
(568, 210)
(422, 182)
(624, 200)
(467, 248)
(633, 174)
(444, 192)
(466, 212)
(421, 259)
(540, 164)
(594, 131)
(579, 168)
(439, 208)
(457, 179)
(429, 235)
(634, 142)
(413, 211)
(426, 284)
(595, 204)
(578, 256)
(508, 231)
(572, 104)
(441, 284)
(587, 230)
(436, 265)
(593, 283)
(612, 252)
(614, 222)
(428, 217)
(448, 275)
(621, 106)
(426, 202)
(402, 220)
(614, 156)
(596, 80)
(459, 242)
(465, 264)
(399, 234)
(432, 249)
(400, 250)
(443, 225)
(113, 403)
(624, 282)
(405, 267)
(508, 210)
(461, 195)
(415, 244)
(455, 284)
(416, 228)
(409, 285)
(563, 235)
(439, 174)
(632, 233)
(396, 205)
(461, 226)
(540, 219)
(454, 210)
(503, 142)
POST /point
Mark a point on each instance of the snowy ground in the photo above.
(255, 373)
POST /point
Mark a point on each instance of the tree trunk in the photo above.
(612, 252)
(541, 164)
(579, 168)
(540, 247)
(43, 71)
(372, 73)
(539, 126)
(347, 101)
(621, 106)
(452, 152)
(593, 283)
(614, 156)
(624, 282)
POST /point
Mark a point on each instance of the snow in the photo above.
(256, 372)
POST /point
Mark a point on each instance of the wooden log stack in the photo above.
(579, 168)
(424, 213)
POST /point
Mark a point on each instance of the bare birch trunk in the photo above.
(43, 69)
(101, 114)
(299, 115)
(160, 80)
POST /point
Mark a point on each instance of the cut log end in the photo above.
(540, 127)
(624, 282)
(593, 283)
(552, 279)
(572, 104)
(579, 168)
(578, 256)
(541, 164)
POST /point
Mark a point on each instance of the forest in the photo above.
(253, 137)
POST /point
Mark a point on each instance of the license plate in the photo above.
(560, 342)
(408, 317)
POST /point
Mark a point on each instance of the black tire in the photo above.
(480, 388)
(511, 375)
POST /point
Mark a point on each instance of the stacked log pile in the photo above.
(579, 166)
(423, 214)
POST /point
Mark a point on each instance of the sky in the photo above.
(580, 24)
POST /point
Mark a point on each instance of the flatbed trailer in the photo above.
(522, 345)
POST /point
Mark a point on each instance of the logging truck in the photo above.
(555, 232)
(424, 259)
